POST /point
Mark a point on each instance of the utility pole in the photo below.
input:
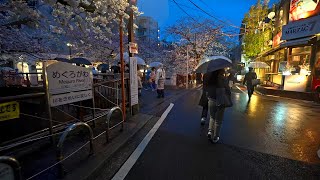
(123, 97)
(187, 85)
(135, 108)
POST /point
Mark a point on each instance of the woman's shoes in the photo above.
(214, 139)
(210, 135)
(203, 121)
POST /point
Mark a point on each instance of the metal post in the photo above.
(122, 69)
(130, 39)
(70, 52)
(187, 67)
(14, 164)
(46, 88)
(63, 137)
(94, 107)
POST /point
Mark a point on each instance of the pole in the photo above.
(134, 108)
(187, 67)
(70, 52)
(45, 86)
(122, 69)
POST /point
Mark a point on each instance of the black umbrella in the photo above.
(213, 63)
(103, 67)
(80, 60)
(62, 59)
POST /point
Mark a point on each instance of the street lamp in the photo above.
(69, 45)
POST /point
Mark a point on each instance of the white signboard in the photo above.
(295, 83)
(6, 172)
(301, 28)
(61, 99)
(134, 99)
(65, 77)
(133, 48)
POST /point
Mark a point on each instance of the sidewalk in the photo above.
(272, 92)
(41, 163)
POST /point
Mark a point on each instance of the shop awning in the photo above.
(297, 42)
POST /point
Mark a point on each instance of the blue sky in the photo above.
(167, 13)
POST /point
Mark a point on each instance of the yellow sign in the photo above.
(9, 110)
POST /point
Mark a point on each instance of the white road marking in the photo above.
(126, 167)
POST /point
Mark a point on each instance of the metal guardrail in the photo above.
(116, 125)
(21, 97)
(13, 164)
(63, 138)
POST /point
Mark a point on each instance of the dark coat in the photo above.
(204, 99)
(249, 77)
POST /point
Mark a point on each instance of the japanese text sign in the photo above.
(9, 110)
(56, 100)
(64, 77)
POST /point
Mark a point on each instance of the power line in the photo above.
(213, 16)
(228, 21)
(184, 10)
(225, 34)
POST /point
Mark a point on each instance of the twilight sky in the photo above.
(166, 12)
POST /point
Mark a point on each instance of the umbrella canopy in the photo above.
(213, 63)
(155, 64)
(62, 59)
(258, 65)
(140, 61)
(103, 66)
(80, 60)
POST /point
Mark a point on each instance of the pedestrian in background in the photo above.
(217, 88)
(248, 80)
(139, 76)
(153, 76)
(160, 78)
(204, 99)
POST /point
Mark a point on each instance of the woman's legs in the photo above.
(204, 114)
(212, 114)
(216, 119)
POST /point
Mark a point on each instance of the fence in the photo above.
(34, 125)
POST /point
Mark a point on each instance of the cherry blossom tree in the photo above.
(89, 25)
(199, 38)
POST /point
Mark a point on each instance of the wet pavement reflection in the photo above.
(280, 127)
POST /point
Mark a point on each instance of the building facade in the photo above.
(294, 58)
(148, 29)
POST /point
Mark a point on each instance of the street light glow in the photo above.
(69, 45)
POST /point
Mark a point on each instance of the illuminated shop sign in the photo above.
(302, 28)
(300, 9)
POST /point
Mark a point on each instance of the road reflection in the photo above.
(285, 126)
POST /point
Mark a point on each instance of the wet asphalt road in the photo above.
(265, 138)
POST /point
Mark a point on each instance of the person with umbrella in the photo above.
(217, 91)
(248, 78)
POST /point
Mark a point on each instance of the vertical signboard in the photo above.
(134, 99)
(68, 83)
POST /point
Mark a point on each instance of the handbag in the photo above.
(255, 82)
(223, 98)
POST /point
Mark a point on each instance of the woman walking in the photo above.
(160, 78)
(218, 89)
(153, 78)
